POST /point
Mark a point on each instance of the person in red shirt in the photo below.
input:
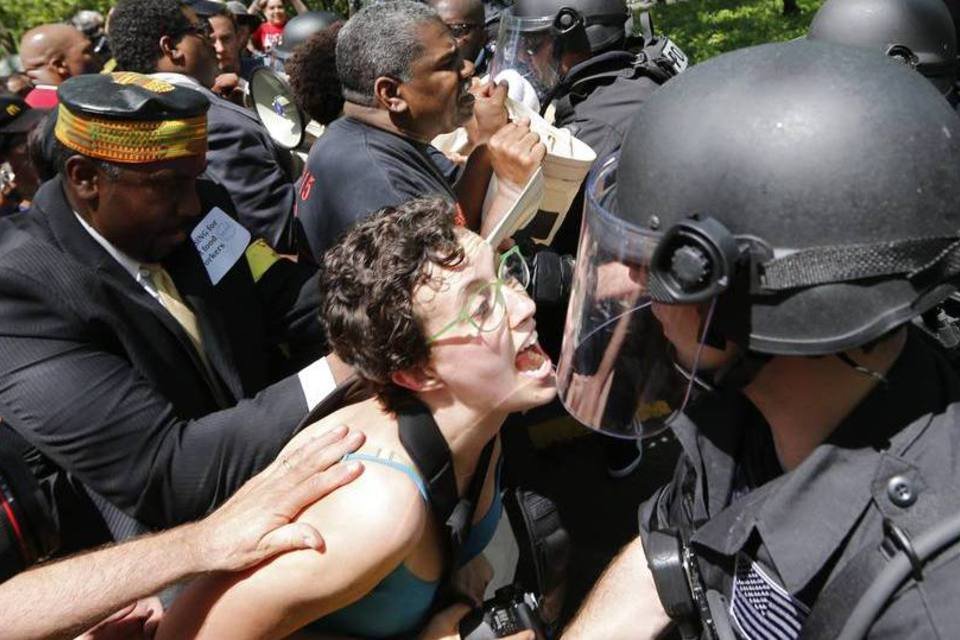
(270, 33)
(51, 53)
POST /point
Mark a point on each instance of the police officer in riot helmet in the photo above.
(747, 274)
(918, 33)
(572, 53)
(541, 40)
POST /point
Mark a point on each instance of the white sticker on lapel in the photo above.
(220, 241)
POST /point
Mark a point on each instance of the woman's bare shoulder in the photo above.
(369, 527)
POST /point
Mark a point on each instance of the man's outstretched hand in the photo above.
(257, 522)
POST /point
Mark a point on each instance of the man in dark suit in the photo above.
(142, 329)
(167, 36)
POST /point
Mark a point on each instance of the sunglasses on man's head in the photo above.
(201, 29)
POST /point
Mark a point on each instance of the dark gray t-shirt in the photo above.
(353, 170)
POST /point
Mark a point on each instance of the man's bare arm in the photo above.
(489, 116)
(61, 599)
(471, 188)
(623, 603)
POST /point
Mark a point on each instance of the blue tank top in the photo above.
(401, 601)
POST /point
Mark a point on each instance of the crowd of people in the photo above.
(269, 380)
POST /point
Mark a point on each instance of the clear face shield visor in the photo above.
(528, 55)
(628, 363)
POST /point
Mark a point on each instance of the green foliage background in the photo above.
(702, 28)
(16, 16)
(705, 28)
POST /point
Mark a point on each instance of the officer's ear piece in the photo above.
(387, 92)
(694, 262)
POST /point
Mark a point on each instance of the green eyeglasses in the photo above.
(486, 308)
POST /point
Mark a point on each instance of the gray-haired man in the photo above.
(405, 82)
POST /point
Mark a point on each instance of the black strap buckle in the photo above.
(901, 540)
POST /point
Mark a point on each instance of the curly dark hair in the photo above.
(367, 283)
(312, 70)
(136, 27)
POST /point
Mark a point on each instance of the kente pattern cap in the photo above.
(131, 118)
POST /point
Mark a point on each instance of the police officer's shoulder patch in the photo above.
(760, 607)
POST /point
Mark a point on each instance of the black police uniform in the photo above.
(770, 541)
(597, 101)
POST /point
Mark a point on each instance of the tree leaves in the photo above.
(16, 16)
(706, 28)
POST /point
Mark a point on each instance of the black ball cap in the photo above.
(130, 96)
(16, 116)
(206, 8)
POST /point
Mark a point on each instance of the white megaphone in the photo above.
(275, 107)
(289, 128)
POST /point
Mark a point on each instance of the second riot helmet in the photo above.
(919, 33)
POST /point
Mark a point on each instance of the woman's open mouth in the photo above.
(533, 362)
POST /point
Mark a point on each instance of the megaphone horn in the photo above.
(276, 108)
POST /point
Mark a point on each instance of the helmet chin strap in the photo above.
(745, 365)
(859, 368)
(740, 371)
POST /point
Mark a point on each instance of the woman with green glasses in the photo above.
(427, 311)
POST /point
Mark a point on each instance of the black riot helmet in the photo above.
(602, 20)
(300, 28)
(797, 198)
(954, 7)
(538, 40)
(919, 33)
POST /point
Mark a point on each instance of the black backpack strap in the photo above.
(461, 520)
(843, 591)
(425, 445)
(838, 598)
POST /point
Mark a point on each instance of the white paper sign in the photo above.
(220, 240)
(521, 212)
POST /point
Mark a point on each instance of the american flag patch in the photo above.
(761, 608)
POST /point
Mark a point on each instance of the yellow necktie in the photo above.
(172, 302)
